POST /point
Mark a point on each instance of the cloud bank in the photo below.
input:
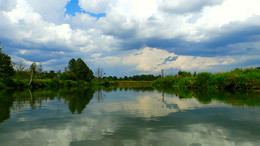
(134, 36)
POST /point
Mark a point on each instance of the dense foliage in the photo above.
(6, 68)
(78, 70)
(236, 79)
(143, 77)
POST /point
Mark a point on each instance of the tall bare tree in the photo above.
(20, 67)
(99, 73)
(39, 68)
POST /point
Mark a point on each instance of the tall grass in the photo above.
(236, 79)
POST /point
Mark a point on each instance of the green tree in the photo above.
(80, 70)
(83, 72)
(52, 74)
(6, 67)
(184, 74)
(72, 65)
(125, 78)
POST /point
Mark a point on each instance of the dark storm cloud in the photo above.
(240, 35)
(226, 41)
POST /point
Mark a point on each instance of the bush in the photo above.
(68, 75)
(51, 83)
(87, 84)
(219, 81)
(37, 83)
(20, 83)
(186, 82)
(242, 82)
(203, 80)
(69, 83)
(236, 79)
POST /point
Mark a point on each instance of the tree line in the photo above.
(248, 78)
(18, 75)
(76, 73)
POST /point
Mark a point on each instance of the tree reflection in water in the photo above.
(78, 98)
(6, 102)
(234, 98)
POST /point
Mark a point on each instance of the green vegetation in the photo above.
(236, 79)
(76, 98)
(6, 69)
(239, 98)
(78, 74)
(35, 77)
(143, 77)
(134, 84)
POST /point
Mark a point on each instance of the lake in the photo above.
(125, 116)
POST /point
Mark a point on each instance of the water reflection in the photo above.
(6, 102)
(77, 99)
(125, 116)
(235, 98)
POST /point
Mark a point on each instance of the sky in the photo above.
(130, 37)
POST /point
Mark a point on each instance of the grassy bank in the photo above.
(134, 84)
(239, 79)
(43, 83)
(236, 79)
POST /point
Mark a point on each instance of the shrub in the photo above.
(37, 83)
(242, 82)
(68, 75)
(186, 82)
(51, 83)
(203, 80)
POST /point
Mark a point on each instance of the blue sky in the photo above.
(127, 37)
(72, 8)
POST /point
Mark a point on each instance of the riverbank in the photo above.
(241, 79)
(45, 83)
(238, 79)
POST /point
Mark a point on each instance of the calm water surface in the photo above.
(120, 117)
